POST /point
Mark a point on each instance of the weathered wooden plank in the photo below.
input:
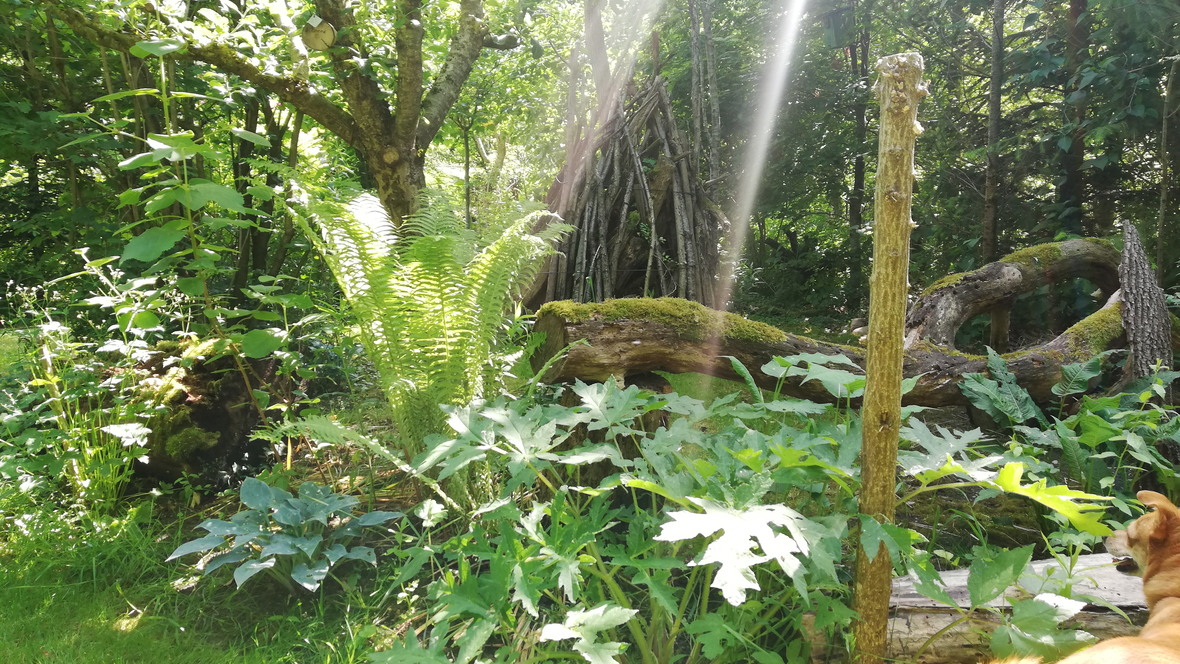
(914, 618)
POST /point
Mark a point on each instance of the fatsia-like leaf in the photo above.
(941, 450)
(743, 531)
(584, 625)
(1033, 628)
(1060, 499)
(991, 576)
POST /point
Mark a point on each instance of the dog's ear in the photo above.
(1166, 513)
(1156, 500)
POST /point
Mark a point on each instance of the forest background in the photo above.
(189, 174)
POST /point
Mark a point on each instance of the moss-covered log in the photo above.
(633, 336)
(957, 298)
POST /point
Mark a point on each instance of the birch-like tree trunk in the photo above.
(991, 186)
(860, 69)
(714, 103)
(697, 82)
(1170, 109)
(899, 89)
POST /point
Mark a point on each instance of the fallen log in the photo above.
(916, 622)
(957, 298)
(632, 336)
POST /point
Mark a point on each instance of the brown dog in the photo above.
(1153, 540)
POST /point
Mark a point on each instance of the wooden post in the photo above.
(899, 88)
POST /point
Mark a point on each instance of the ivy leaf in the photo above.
(988, 579)
(148, 246)
(260, 343)
(524, 591)
(743, 530)
(409, 652)
(660, 587)
(873, 535)
(928, 581)
(831, 611)
(939, 460)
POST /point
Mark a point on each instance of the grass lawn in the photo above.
(72, 595)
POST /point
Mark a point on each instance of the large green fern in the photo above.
(430, 304)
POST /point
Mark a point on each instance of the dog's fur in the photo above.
(1153, 540)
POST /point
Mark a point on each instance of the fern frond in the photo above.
(429, 306)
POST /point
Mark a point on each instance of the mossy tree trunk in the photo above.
(958, 298)
(899, 89)
(638, 335)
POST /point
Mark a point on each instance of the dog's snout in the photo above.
(1117, 544)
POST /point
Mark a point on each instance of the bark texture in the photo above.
(1145, 311)
(637, 335)
(955, 299)
(899, 89)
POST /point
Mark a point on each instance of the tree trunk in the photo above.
(498, 162)
(899, 89)
(241, 180)
(860, 69)
(991, 188)
(1145, 310)
(697, 96)
(958, 298)
(1170, 107)
(714, 103)
(638, 335)
(1071, 191)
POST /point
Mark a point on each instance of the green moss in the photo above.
(1042, 253)
(690, 319)
(930, 347)
(1093, 334)
(187, 442)
(948, 280)
(1107, 244)
(177, 437)
(205, 349)
(168, 347)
